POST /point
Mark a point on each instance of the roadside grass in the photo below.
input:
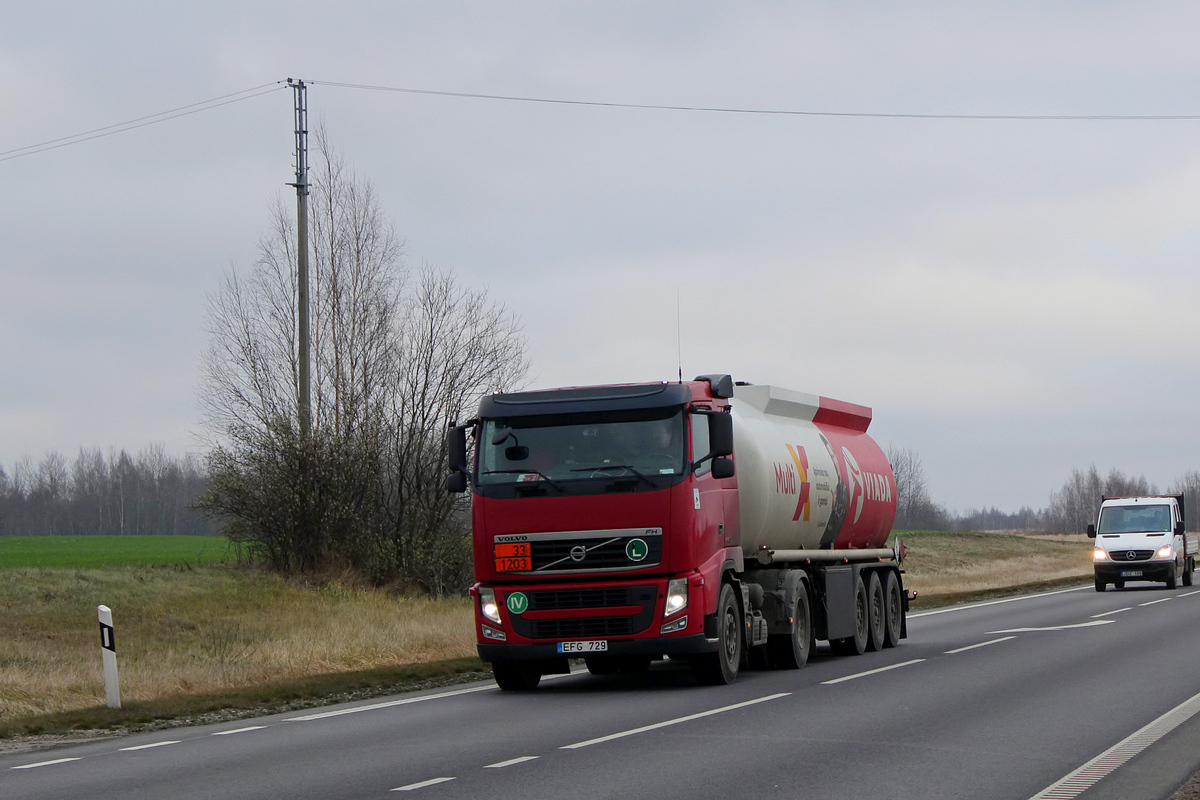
(199, 641)
(112, 551)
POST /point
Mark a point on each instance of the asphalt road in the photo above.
(994, 700)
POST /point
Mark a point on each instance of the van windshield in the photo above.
(1135, 519)
(611, 445)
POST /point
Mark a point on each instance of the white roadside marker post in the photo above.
(108, 653)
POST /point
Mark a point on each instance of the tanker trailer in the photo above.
(724, 525)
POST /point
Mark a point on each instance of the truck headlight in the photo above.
(1099, 555)
(1165, 552)
(676, 597)
(487, 604)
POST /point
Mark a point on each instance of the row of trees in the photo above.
(97, 493)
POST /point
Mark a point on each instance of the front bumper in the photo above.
(654, 648)
(1111, 571)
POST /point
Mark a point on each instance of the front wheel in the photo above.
(516, 676)
(722, 666)
(1188, 568)
(1100, 584)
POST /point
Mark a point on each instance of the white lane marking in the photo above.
(45, 763)
(675, 721)
(1152, 602)
(981, 644)
(1107, 762)
(1114, 611)
(510, 762)
(1091, 624)
(389, 704)
(421, 785)
(995, 602)
(148, 746)
(1189, 594)
(239, 730)
(872, 671)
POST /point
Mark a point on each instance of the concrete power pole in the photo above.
(304, 402)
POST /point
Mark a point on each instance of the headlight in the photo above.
(676, 597)
(1165, 552)
(487, 604)
(1099, 555)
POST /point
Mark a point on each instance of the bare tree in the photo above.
(1077, 503)
(915, 508)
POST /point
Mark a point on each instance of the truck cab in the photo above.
(1142, 539)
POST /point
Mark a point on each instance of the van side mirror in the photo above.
(722, 467)
(1091, 531)
(1179, 529)
(720, 435)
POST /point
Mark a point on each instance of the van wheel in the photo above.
(722, 666)
(1188, 568)
(1100, 585)
(1172, 581)
(1118, 584)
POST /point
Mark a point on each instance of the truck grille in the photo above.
(577, 628)
(580, 598)
(1130, 555)
(644, 598)
(562, 555)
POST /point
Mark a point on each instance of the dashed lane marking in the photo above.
(510, 762)
(968, 607)
(1155, 602)
(1114, 611)
(1107, 762)
(148, 746)
(44, 763)
(872, 672)
(421, 785)
(675, 721)
(239, 730)
(389, 704)
(981, 644)
(1091, 624)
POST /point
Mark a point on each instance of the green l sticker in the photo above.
(517, 602)
(636, 549)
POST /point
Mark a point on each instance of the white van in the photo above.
(1142, 539)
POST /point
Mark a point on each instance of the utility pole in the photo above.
(304, 403)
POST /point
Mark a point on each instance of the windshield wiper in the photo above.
(626, 467)
(541, 475)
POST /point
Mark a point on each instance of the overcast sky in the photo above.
(1013, 298)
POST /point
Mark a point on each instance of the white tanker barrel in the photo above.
(809, 477)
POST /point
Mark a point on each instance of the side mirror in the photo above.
(456, 482)
(1091, 531)
(456, 457)
(722, 467)
(1179, 529)
(720, 436)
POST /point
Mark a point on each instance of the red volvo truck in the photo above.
(722, 524)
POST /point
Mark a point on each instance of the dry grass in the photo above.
(191, 631)
(942, 563)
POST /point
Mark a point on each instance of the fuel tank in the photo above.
(809, 477)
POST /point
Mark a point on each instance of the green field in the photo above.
(76, 552)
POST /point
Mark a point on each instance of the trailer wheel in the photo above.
(722, 666)
(516, 676)
(856, 645)
(791, 650)
(877, 611)
(894, 616)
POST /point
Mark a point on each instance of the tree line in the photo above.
(98, 493)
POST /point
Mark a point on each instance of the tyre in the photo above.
(876, 612)
(856, 645)
(617, 665)
(1099, 584)
(791, 650)
(894, 616)
(1172, 581)
(516, 676)
(722, 666)
(1118, 584)
(1188, 569)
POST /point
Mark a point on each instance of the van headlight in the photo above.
(1099, 555)
(1165, 552)
(487, 604)
(676, 597)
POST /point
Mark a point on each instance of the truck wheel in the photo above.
(1100, 584)
(516, 676)
(876, 612)
(856, 645)
(791, 650)
(722, 666)
(894, 615)
(617, 665)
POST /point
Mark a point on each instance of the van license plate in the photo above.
(1131, 573)
(596, 646)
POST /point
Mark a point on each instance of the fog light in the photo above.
(676, 597)
(1099, 555)
(492, 633)
(674, 626)
(487, 604)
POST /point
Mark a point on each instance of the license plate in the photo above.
(595, 646)
(1131, 573)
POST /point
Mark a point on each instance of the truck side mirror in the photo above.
(456, 482)
(722, 467)
(1091, 531)
(720, 436)
(456, 456)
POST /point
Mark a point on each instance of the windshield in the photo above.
(1135, 519)
(640, 444)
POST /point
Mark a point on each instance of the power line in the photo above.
(141, 122)
(768, 111)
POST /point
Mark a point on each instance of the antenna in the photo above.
(678, 337)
